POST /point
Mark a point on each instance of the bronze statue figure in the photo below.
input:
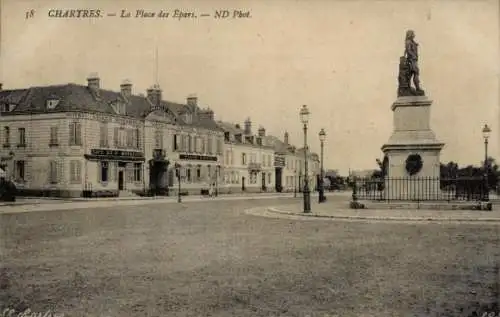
(408, 68)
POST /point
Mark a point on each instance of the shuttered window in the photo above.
(53, 172)
(103, 142)
(75, 133)
(75, 172)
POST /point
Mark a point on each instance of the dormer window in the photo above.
(238, 138)
(188, 118)
(7, 107)
(119, 108)
(52, 103)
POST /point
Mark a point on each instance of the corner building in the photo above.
(75, 140)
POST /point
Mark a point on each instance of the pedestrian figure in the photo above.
(210, 190)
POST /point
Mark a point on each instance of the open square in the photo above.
(212, 259)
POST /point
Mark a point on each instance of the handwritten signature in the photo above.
(9, 312)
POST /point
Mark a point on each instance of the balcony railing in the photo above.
(158, 153)
(254, 166)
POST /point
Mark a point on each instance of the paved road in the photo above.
(31, 205)
(210, 258)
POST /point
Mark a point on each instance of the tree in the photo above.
(383, 168)
(492, 171)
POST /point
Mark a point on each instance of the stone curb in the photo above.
(27, 207)
(290, 213)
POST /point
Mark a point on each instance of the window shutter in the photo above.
(51, 172)
(78, 132)
(182, 142)
(77, 171)
(115, 137)
(128, 138)
(72, 174)
(112, 171)
(130, 171)
(59, 171)
(71, 133)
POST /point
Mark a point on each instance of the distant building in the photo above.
(290, 167)
(248, 159)
(362, 173)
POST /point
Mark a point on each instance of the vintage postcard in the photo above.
(249, 158)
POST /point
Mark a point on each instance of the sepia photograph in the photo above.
(294, 158)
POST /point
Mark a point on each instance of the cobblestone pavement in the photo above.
(209, 258)
(339, 210)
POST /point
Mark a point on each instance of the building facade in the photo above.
(248, 159)
(289, 165)
(81, 140)
(74, 140)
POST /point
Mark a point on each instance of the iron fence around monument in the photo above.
(420, 189)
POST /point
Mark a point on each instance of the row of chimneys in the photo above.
(153, 94)
(262, 132)
(248, 128)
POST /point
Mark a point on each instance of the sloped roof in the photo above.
(230, 127)
(279, 146)
(73, 97)
(13, 96)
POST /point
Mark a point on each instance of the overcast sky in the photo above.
(338, 57)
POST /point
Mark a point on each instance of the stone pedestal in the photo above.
(412, 135)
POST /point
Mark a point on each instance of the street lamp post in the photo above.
(322, 198)
(486, 135)
(178, 174)
(217, 173)
(304, 118)
(295, 183)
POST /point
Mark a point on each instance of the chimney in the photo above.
(248, 126)
(262, 132)
(154, 94)
(206, 114)
(286, 138)
(93, 82)
(126, 88)
(192, 100)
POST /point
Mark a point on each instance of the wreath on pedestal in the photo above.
(413, 164)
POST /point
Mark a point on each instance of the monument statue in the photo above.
(408, 68)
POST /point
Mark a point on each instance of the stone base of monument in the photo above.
(412, 152)
(412, 136)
